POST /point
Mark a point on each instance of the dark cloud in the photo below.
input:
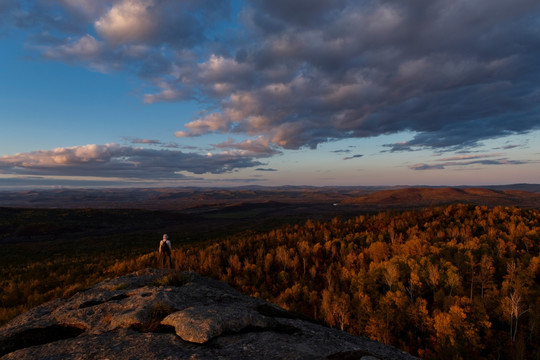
(113, 160)
(55, 182)
(426, 167)
(468, 157)
(146, 141)
(383, 67)
(444, 165)
(60, 17)
(268, 15)
(296, 74)
(508, 147)
(155, 142)
(353, 157)
(9, 9)
(265, 169)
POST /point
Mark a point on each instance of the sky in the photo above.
(144, 93)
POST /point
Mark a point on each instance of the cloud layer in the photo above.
(295, 74)
(113, 160)
(467, 161)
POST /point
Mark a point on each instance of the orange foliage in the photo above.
(443, 283)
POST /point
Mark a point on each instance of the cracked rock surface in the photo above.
(190, 317)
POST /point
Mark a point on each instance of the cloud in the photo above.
(60, 17)
(265, 169)
(426, 167)
(254, 147)
(469, 157)
(87, 48)
(510, 146)
(7, 10)
(223, 74)
(389, 77)
(353, 157)
(158, 21)
(112, 160)
(128, 21)
(146, 141)
(501, 161)
(334, 70)
(155, 142)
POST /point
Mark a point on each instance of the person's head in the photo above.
(165, 237)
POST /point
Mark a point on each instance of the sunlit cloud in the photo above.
(128, 21)
(113, 160)
(256, 147)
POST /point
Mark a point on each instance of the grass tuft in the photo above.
(176, 279)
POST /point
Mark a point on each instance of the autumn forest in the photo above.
(448, 282)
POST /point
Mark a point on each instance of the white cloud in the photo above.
(167, 93)
(128, 21)
(86, 48)
(218, 69)
(259, 146)
(210, 123)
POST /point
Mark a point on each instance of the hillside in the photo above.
(466, 277)
(459, 281)
(422, 197)
(204, 199)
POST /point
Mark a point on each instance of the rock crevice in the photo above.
(38, 336)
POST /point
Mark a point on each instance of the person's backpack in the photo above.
(164, 248)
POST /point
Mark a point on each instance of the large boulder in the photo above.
(163, 314)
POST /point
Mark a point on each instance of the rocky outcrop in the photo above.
(162, 314)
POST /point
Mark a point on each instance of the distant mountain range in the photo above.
(369, 197)
(421, 197)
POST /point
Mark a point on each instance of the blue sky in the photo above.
(228, 93)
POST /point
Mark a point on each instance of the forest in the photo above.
(448, 282)
(455, 282)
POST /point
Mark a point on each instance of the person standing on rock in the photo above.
(165, 248)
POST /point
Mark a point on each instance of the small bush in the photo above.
(157, 313)
(122, 286)
(160, 310)
(176, 279)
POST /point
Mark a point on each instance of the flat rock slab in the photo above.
(137, 317)
(199, 324)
